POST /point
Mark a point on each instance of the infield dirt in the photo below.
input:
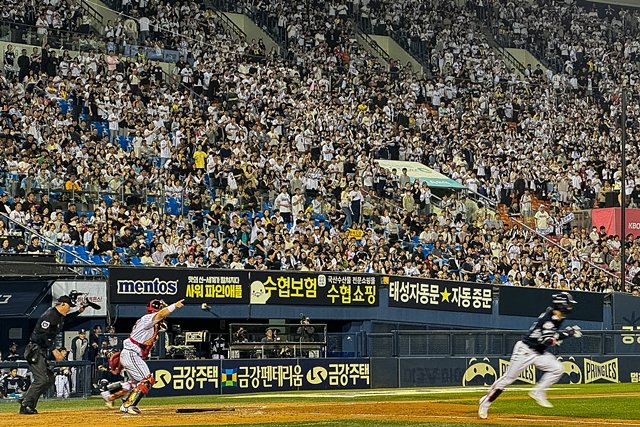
(411, 411)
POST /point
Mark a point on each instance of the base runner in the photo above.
(135, 350)
(532, 350)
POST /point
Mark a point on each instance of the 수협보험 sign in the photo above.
(139, 285)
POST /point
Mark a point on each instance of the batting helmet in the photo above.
(563, 302)
(155, 305)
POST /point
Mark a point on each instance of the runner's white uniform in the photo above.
(136, 348)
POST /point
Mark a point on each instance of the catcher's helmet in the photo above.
(155, 305)
(563, 302)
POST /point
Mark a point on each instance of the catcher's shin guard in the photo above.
(139, 392)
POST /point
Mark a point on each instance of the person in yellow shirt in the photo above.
(72, 184)
(199, 157)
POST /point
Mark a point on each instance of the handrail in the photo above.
(508, 57)
(44, 239)
(228, 23)
(84, 4)
(176, 81)
(479, 197)
(566, 251)
(72, 37)
(513, 59)
(371, 42)
(282, 42)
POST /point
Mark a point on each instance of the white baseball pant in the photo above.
(523, 356)
(134, 365)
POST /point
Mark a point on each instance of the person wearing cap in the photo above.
(79, 346)
(12, 355)
(40, 350)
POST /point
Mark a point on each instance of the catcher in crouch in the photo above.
(135, 349)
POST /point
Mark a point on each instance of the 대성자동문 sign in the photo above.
(414, 292)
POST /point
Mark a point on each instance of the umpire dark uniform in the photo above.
(40, 351)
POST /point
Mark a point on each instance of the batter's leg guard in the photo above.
(494, 394)
(115, 391)
(138, 393)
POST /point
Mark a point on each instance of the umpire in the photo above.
(40, 351)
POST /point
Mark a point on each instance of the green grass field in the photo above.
(584, 404)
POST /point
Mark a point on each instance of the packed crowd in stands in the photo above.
(269, 163)
(48, 15)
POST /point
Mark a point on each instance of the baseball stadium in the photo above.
(308, 213)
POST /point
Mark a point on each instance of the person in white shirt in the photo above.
(356, 198)
(144, 29)
(283, 204)
(135, 350)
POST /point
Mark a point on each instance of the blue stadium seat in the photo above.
(68, 255)
(171, 206)
(80, 250)
(64, 106)
(135, 261)
(124, 142)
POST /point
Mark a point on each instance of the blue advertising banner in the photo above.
(18, 297)
(626, 317)
(206, 377)
(185, 377)
(247, 376)
(468, 372)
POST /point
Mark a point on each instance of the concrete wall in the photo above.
(525, 57)
(102, 9)
(396, 52)
(166, 66)
(628, 3)
(252, 30)
(372, 50)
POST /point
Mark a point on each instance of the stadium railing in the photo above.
(552, 242)
(73, 379)
(487, 343)
(58, 39)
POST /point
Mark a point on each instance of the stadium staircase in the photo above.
(503, 213)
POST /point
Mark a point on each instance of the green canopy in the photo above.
(422, 173)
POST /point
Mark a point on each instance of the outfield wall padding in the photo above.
(211, 377)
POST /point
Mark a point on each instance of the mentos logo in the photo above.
(147, 287)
